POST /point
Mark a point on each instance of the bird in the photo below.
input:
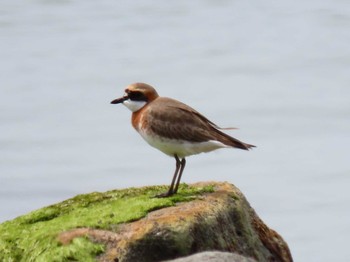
(174, 128)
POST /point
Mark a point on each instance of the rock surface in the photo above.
(222, 220)
(214, 256)
(132, 225)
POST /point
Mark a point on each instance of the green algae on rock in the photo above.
(33, 237)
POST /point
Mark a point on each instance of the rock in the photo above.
(131, 225)
(214, 256)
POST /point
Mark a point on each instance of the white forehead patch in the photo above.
(134, 105)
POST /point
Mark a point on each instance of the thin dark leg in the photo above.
(183, 164)
(171, 188)
(178, 165)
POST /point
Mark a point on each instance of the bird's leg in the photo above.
(178, 165)
(171, 188)
(183, 164)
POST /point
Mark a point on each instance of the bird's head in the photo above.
(136, 96)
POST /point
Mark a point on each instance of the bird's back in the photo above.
(176, 121)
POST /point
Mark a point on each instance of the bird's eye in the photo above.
(137, 96)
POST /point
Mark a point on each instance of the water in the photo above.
(277, 70)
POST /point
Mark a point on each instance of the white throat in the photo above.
(134, 105)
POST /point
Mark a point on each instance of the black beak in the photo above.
(120, 100)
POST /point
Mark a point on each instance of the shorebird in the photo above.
(173, 127)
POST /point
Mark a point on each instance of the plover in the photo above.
(173, 127)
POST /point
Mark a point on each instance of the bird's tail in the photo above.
(232, 142)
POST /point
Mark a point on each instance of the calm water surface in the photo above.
(277, 70)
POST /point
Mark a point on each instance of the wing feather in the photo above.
(174, 120)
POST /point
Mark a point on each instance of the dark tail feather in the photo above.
(231, 141)
(248, 146)
(239, 144)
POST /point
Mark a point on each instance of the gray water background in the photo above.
(278, 70)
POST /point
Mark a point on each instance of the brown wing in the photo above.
(175, 120)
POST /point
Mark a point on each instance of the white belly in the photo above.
(181, 148)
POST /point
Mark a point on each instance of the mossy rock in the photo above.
(33, 237)
(133, 225)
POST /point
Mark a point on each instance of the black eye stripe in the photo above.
(137, 96)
